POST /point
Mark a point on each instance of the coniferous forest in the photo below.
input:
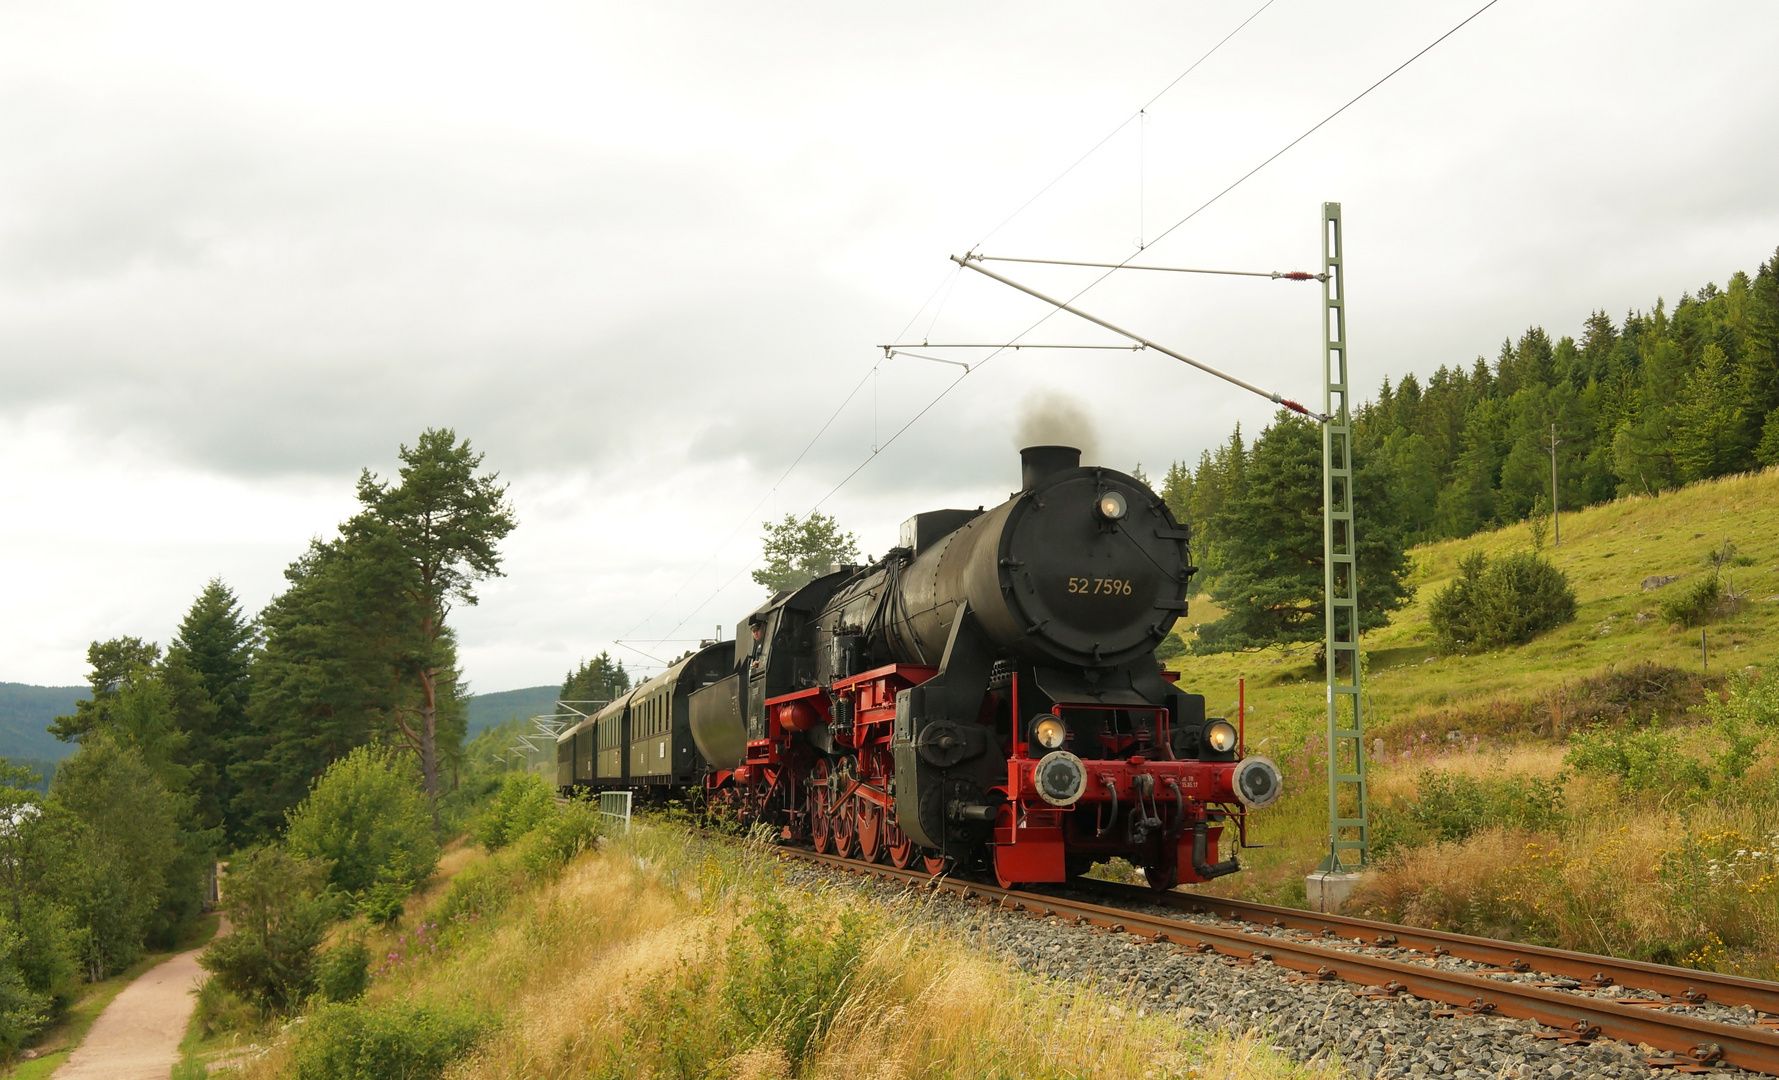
(1654, 400)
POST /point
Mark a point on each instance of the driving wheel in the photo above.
(901, 849)
(870, 828)
(821, 828)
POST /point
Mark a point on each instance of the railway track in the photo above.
(1683, 984)
(1330, 947)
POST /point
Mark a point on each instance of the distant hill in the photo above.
(25, 713)
(486, 710)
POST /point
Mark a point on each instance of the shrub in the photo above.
(366, 1042)
(1453, 806)
(45, 950)
(1508, 601)
(23, 1011)
(521, 804)
(280, 916)
(385, 902)
(1647, 760)
(1694, 604)
(220, 1010)
(365, 816)
(344, 972)
(480, 889)
(790, 976)
(565, 832)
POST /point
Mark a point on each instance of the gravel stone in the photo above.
(1306, 1020)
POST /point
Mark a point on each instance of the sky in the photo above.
(644, 257)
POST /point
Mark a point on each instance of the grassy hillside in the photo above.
(656, 953)
(25, 713)
(1501, 726)
(1607, 552)
(487, 710)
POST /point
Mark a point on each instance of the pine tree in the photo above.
(1705, 420)
(215, 645)
(1221, 476)
(1269, 540)
(599, 679)
(327, 679)
(1176, 492)
(442, 524)
(1757, 371)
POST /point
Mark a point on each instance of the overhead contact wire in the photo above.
(1170, 229)
(1123, 124)
(950, 279)
(769, 492)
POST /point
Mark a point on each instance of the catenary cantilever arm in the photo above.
(968, 263)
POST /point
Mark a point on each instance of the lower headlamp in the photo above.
(1049, 732)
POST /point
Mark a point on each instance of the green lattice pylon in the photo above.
(1349, 830)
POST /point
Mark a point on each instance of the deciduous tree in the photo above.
(799, 550)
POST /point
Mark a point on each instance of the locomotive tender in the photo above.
(986, 695)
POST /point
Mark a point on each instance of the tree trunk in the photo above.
(429, 747)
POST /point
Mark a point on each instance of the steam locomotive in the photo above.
(984, 697)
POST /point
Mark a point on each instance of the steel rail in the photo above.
(1752, 1048)
(1681, 983)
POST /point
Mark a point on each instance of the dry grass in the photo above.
(1394, 778)
(916, 1006)
(629, 964)
(1699, 888)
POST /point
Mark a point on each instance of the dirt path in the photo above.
(137, 1036)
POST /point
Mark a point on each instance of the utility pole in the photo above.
(1349, 829)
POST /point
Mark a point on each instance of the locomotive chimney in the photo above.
(1039, 463)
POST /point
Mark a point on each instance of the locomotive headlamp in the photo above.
(1049, 732)
(1112, 506)
(1220, 736)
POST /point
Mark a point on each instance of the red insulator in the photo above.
(1298, 275)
